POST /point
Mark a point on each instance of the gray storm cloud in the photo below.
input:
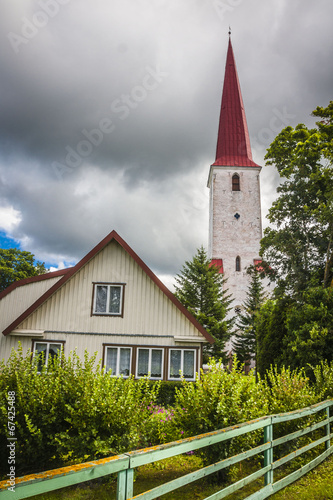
(109, 113)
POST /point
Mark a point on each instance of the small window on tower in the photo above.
(238, 263)
(235, 182)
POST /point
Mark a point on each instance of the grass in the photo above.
(316, 485)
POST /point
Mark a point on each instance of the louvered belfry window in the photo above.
(235, 182)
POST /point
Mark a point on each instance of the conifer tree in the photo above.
(244, 340)
(200, 289)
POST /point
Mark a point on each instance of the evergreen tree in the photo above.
(200, 289)
(244, 340)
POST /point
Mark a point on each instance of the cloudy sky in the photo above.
(109, 113)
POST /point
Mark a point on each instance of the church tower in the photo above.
(235, 226)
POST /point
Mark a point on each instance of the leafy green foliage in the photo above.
(71, 411)
(17, 265)
(299, 248)
(309, 325)
(200, 289)
(218, 399)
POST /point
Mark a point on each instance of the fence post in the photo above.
(328, 429)
(268, 454)
(125, 484)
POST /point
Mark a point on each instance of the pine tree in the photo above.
(200, 289)
(244, 340)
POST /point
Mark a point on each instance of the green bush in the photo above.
(167, 393)
(290, 390)
(323, 385)
(218, 399)
(71, 411)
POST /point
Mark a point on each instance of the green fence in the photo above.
(125, 464)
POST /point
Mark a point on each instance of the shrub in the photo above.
(323, 385)
(290, 390)
(219, 399)
(71, 411)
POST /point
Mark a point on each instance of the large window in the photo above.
(108, 299)
(118, 360)
(149, 362)
(182, 364)
(46, 351)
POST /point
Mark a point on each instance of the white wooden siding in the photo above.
(150, 318)
(22, 297)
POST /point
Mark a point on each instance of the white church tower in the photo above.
(235, 226)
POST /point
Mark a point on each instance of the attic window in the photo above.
(108, 299)
(235, 182)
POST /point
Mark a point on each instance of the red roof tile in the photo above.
(233, 142)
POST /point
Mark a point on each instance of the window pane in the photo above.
(156, 363)
(175, 363)
(54, 350)
(114, 306)
(124, 365)
(188, 364)
(41, 351)
(101, 294)
(111, 359)
(143, 362)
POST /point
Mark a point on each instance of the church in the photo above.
(235, 227)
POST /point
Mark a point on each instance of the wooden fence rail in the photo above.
(125, 464)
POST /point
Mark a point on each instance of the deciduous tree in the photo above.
(16, 265)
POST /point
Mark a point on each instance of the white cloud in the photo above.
(9, 219)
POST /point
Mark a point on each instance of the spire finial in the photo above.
(229, 32)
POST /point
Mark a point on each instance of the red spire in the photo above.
(233, 142)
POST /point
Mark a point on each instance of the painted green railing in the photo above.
(125, 464)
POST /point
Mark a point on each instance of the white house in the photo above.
(110, 303)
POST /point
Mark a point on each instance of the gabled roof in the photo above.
(33, 279)
(68, 273)
(233, 141)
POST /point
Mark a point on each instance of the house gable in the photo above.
(150, 309)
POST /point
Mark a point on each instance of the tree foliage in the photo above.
(244, 340)
(298, 248)
(200, 288)
(16, 265)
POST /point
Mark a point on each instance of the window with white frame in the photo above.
(149, 363)
(118, 360)
(182, 364)
(108, 299)
(46, 351)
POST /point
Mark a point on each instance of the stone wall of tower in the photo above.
(229, 236)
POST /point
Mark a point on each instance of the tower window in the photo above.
(235, 182)
(238, 263)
